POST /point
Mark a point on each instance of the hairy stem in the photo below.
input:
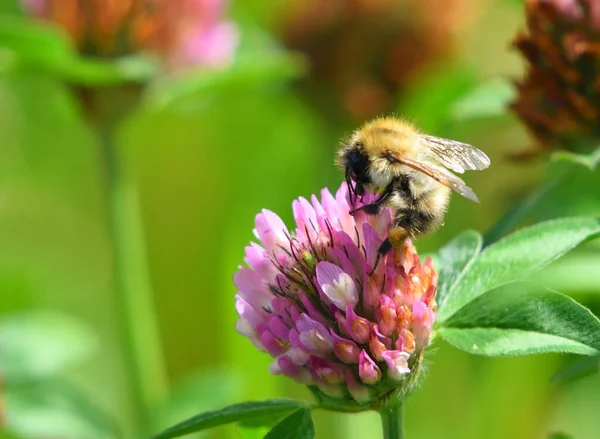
(391, 421)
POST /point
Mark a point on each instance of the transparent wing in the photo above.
(459, 157)
(439, 174)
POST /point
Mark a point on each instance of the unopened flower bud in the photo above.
(386, 315)
(358, 327)
(346, 350)
(367, 369)
(397, 362)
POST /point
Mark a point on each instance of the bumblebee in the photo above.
(410, 172)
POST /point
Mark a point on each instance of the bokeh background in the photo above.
(200, 153)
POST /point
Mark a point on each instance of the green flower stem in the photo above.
(391, 421)
(147, 372)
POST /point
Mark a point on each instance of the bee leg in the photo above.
(373, 208)
(369, 209)
(350, 188)
(395, 239)
(384, 248)
(397, 235)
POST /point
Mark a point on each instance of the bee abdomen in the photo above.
(417, 222)
(422, 215)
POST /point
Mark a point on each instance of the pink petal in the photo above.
(271, 231)
(258, 260)
(337, 285)
(252, 289)
(306, 220)
(314, 336)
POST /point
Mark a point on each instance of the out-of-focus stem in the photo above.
(145, 359)
(392, 421)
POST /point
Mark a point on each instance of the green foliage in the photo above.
(454, 260)
(209, 151)
(520, 319)
(429, 103)
(517, 256)
(235, 413)
(589, 161)
(55, 409)
(577, 370)
(488, 99)
(198, 392)
(258, 432)
(521, 210)
(41, 344)
(298, 425)
(575, 273)
(45, 49)
(259, 61)
(249, 70)
(554, 197)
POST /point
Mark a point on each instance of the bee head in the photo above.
(356, 164)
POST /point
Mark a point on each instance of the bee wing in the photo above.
(455, 155)
(441, 175)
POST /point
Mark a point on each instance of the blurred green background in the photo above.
(203, 159)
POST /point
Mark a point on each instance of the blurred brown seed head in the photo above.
(183, 32)
(559, 98)
(365, 52)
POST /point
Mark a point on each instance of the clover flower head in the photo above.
(559, 98)
(183, 33)
(310, 298)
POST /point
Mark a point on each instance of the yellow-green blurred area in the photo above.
(201, 160)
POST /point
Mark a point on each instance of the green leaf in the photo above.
(257, 428)
(577, 370)
(488, 99)
(523, 319)
(41, 48)
(257, 432)
(576, 272)
(560, 436)
(55, 409)
(298, 425)
(249, 70)
(96, 71)
(39, 44)
(589, 161)
(233, 413)
(454, 259)
(39, 344)
(517, 256)
(198, 392)
(265, 421)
